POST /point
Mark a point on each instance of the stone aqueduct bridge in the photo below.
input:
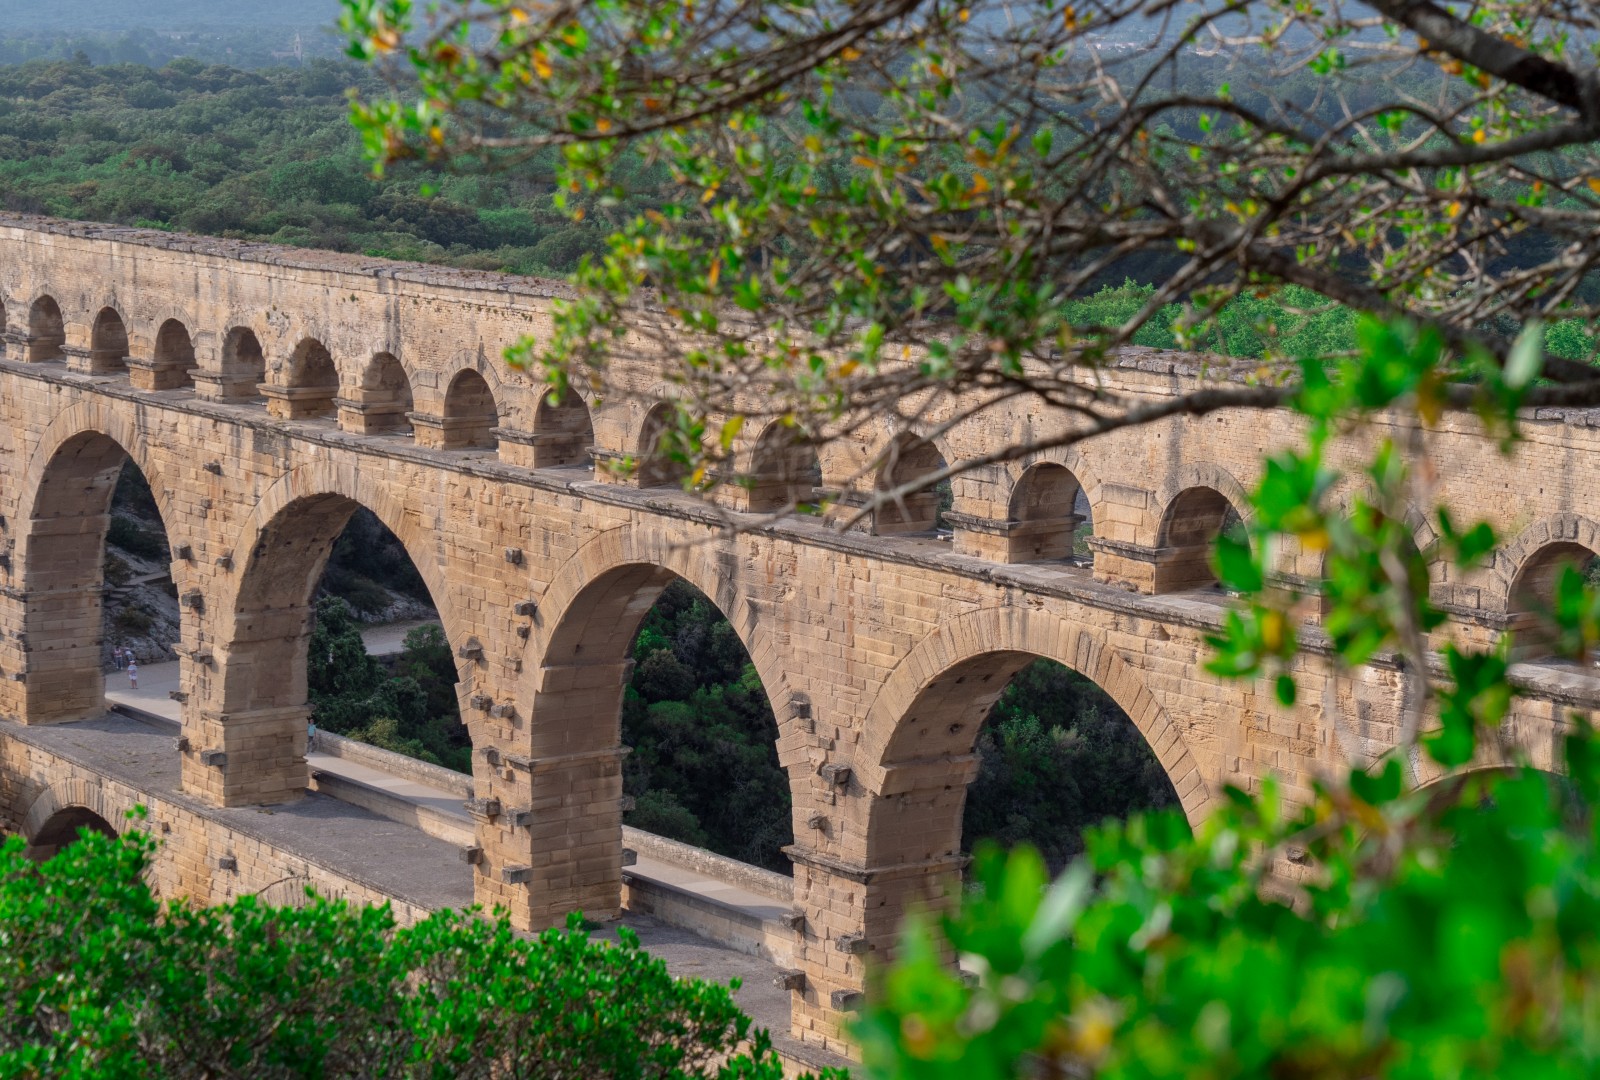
(267, 392)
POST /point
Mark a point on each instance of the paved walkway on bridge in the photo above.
(402, 859)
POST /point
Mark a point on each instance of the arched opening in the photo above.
(108, 343)
(384, 397)
(785, 471)
(244, 364)
(1053, 755)
(908, 460)
(66, 826)
(563, 431)
(1049, 516)
(174, 355)
(1533, 594)
(657, 464)
(310, 387)
(335, 623)
(704, 769)
(642, 659)
(1192, 523)
(98, 581)
(47, 332)
(470, 416)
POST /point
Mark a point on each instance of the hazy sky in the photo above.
(92, 15)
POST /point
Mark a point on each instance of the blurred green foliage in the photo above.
(1432, 914)
(100, 979)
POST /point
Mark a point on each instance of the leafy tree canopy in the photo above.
(872, 207)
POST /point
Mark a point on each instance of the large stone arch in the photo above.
(422, 543)
(64, 507)
(622, 549)
(86, 417)
(903, 764)
(254, 708)
(570, 741)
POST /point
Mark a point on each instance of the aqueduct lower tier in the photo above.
(267, 393)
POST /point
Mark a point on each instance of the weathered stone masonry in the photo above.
(266, 393)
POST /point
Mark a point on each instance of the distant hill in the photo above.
(80, 16)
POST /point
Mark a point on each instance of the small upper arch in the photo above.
(383, 398)
(657, 467)
(242, 356)
(908, 459)
(563, 430)
(108, 341)
(1190, 524)
(174, 350)
(471, 414)
(784, 469)
(47, 330)
(1047, 506)
(308, 383)
(1533, 567)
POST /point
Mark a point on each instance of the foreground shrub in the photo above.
(98, 978)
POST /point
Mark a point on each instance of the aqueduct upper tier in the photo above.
(267, 392)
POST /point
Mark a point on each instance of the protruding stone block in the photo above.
(845, 1000)
(835, 774)
(854, 944)
(483, 809)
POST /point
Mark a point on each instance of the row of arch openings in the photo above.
(681, 680)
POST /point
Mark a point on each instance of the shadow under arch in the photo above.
(1190, 523)
(907, 459)
(263, 694)
(563, 432)
(62, 828)
(108, 342)
(917, 751)
(784, 471)
(66, 495)
(471, 414)
(47, 334)
(1047, 505)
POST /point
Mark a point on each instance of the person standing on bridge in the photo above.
(116, 657)
(133, 673)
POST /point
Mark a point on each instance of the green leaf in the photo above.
(1527, 356)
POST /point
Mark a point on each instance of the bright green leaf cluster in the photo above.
(99, 979)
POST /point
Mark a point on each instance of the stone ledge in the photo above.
(435, 823)
(778, 887)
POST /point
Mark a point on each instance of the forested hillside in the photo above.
(263, 155)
